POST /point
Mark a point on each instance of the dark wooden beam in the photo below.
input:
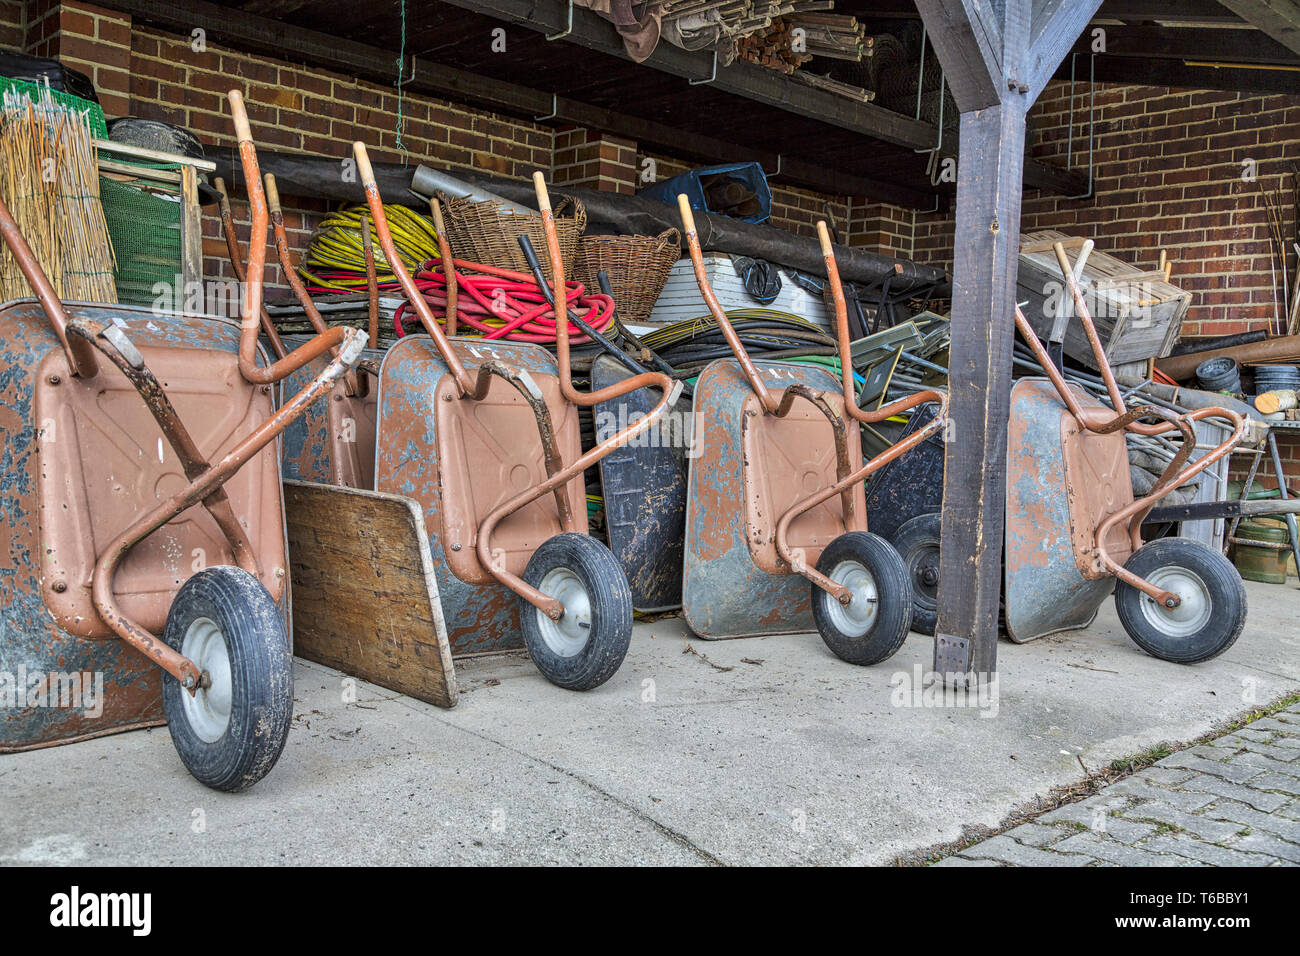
(996, 56)
(257, 34)
(1149, 71)
(1193, 43)
(1280, 19)
(747, 80)
(1131, 11)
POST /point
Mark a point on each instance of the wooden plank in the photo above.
(191, 232)
(1192, 43)
(140, 172)
(1057, 26)
(153, 155)
(365, 600)
(1188, 75)
(1280, 19)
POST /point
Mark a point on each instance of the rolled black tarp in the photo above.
(335, 178)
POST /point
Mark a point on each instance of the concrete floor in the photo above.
(794, 757)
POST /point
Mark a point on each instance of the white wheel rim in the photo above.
(207, 710)
(1194, 608)
(569, 635)
(855, 619)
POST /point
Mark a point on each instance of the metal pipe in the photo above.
(236, 257)
(656, 379)
(464, 382)
(314, 348)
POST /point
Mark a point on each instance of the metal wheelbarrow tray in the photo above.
(776, 522)
(1073, 525)
(119, 529)
(484, 435)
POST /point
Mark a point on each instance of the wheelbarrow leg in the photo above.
(1291, 529)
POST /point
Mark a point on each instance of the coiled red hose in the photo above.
(503, 304)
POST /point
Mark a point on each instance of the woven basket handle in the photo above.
(579, 211)
(670, 238)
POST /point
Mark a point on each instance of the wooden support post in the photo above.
(997, 57)
(979, 380)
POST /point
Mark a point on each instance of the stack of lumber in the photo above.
(764, 31)
(783, 47)
(772, 48)
(831, 35)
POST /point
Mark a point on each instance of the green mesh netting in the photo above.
(146, 233)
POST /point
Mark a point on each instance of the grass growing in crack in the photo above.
(1143, 758)
(1091, 785)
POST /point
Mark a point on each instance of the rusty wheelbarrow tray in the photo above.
(1073, 525)
(484, 435)
(124, 523)
(776, 530)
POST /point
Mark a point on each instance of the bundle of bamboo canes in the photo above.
(49, 179)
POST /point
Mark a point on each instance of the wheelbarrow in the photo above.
(145, 555)
(1073, 524)
(484, 435)
(643, 482)
(776, 533)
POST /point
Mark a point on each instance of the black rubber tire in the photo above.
(610, 601)
(261, 678)
(1223, 589)
(917, 543)
(893, 618)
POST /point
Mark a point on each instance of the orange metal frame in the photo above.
(779, 406)
(1104, 421)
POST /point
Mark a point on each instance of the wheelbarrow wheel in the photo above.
(875, 622)
(587, 645)
(1212, 608)
(917, 543)
(230, 732)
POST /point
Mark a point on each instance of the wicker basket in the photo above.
(637, 267)
(485, 233)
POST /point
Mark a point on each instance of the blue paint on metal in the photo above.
(32, 646)
(479, 617)
(1044, 591)
(644, 488)
(724, 593)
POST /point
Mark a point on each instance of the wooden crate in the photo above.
(1138, 313)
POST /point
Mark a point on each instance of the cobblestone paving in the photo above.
(1232, 802)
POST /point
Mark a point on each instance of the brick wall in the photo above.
(13, 25)
(90, 39)
(1168, 174)
(594, 160)
(890, 230)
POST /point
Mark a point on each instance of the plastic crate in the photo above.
(690, 183)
